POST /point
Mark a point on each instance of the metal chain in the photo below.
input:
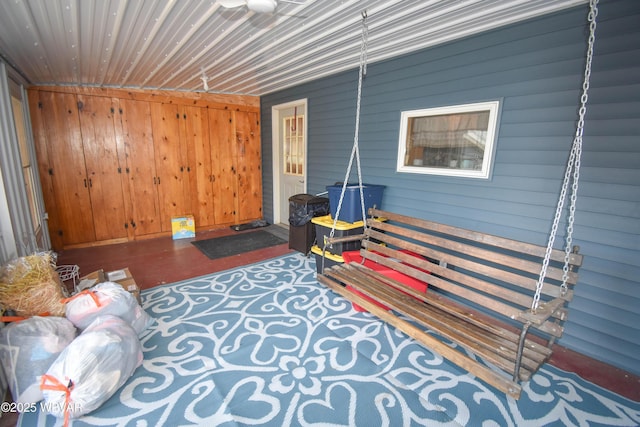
(572, 171)
(355, 151)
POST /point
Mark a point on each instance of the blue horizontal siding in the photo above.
(535, 69)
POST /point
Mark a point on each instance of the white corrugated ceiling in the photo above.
(171, 44)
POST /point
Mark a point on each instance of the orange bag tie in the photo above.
(7, 319)
(56, 385)
(85, 292)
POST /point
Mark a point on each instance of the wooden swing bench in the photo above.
(479, 295)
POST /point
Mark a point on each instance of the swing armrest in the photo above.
(544, 311)
(343, 239)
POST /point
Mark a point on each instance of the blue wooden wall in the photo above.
(535, 68)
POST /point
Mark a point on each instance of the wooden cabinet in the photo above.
(236, 165)
(221, 137)
(103, 170)
(143, 209)
(248, 166)
(61, 163)
(118, 165)
(204, 131)
(194, 134)
(170, 161)
(183, 163)
(79, 166)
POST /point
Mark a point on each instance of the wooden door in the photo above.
(143, 213)
(249, 166)
(223, 160)
(194, 133)
(103, 168)
(170, 160)
(60, 131)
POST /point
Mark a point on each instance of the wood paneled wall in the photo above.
(117, 165)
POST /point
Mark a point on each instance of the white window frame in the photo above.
(455, 168)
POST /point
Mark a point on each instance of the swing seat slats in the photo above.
(479, 293)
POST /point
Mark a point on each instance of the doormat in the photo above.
(220, 247)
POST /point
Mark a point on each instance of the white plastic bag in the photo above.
(92, 368)
(106, 298)
(28, 348)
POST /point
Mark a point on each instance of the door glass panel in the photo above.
(293, 146)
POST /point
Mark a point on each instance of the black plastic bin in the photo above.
(302, 208)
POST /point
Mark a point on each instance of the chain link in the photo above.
(355, 151)
(572, 173)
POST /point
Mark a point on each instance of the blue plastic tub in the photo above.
(351, 210)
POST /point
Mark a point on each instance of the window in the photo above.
(293, 145)
(455, 140)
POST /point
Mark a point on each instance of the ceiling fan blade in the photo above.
(230, 4)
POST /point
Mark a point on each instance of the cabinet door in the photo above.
(194, 133)
(144, 211)
(249, 166)
(170, 162)
(60, 129)
(223, 159)
(103, 168)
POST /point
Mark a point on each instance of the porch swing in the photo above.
(491, 291)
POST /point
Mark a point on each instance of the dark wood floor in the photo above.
(163, 260)
(154, 262)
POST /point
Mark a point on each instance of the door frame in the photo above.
(276, 118)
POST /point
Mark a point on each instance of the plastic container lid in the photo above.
(327, 221)
(318, 251)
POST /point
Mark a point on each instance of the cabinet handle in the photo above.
(133, 224)
(90, 183)
(85, 183)
(181, 168)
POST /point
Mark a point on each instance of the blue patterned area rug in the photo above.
(267, 345)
